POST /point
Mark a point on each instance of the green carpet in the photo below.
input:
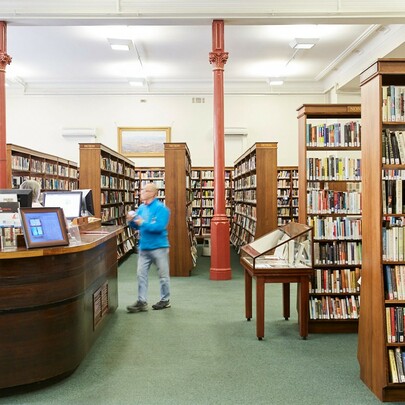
(203, 351)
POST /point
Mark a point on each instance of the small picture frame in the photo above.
(143, 141)
(44, 227)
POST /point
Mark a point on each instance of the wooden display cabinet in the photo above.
(330, 201)
(375, 327)
(255, 193)
(52, 172)
(178, 197)
(111, 177)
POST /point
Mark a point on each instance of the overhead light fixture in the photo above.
(120, 44)
(136, 82)
(276, 81)
(303, 43)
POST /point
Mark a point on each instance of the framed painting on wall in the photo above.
(143, 141)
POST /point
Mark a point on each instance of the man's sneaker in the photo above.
(161, 305)
(139, 306)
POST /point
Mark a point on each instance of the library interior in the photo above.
(274, 139)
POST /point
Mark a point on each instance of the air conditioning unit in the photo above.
(236, 131)
(79, 132)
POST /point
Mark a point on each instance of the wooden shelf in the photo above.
(183, 250)
(255, 193)
(287, 194)
(111, 177)
(372, 343)
(323, 187)
(52, 172)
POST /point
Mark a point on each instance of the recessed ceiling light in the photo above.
(136, 82)
(276, 81)
(303, 43)
(120, 44)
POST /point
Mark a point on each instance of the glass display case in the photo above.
(289, 246)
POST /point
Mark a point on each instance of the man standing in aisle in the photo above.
(151, 219)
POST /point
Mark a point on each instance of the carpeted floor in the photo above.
(203, 351)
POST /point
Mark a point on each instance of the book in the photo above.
(393, 366)
(399, 364)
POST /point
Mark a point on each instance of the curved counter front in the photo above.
(53, 304)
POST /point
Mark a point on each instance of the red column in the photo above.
(220, 249)
(4, 61)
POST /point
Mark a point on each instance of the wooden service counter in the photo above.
(53, 305)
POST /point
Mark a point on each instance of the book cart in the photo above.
(111, 177)
(178, 197)
(281, 256)
(381, 335)
(330, 201)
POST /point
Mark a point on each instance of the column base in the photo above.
(220, 249)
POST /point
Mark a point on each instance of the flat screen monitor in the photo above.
(44, 227)
(69, 201)
(87, 202)
(24, 197)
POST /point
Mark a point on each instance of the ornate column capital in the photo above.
(5, 60)
(218, 59)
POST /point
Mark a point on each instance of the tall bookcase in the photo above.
(330, 201)
(381, 312)
(144, 175)
(111, 177)
(178, 196)
(202, 186)
(52, 172)
(287, 194)
(255, 193)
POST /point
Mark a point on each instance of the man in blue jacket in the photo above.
(151, 220)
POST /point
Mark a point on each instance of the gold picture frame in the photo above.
(143, 141)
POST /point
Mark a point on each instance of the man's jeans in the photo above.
(160, 257)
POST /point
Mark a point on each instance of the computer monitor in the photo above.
(87, 202)
(69, 201)
(44, 227)
(24, 197)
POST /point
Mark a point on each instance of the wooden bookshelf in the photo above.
(111, 177)
(330, 201)
(52, 172)
(178, 197)
(144, 175)
(373, 344)
(287, 194)
(202, 186)
(255, 193)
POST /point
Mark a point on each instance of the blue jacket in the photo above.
(153, 230)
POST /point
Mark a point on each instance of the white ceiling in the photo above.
(63, 48)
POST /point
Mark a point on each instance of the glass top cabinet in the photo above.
(287, 247)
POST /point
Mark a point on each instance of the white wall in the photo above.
(36, 122)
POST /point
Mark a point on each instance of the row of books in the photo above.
(285, 174)
(333, 202)
(394, 278)
(394, 317)
(393, 243)
(333, 168)
(396, 359)
(335, 281)
(117, 167)
(338, 252)
(393, 103)
(393, 196)
(245, 166)
(249, 181)
(334, 135)
(343, 228)
(328, 307)
(150, 174)
(113, 197)
(245, 195)
(393, 147)
(246, 210)
(112, 213)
